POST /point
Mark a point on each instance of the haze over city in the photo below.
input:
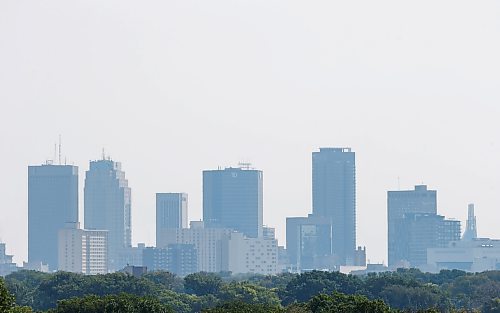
(170, 89)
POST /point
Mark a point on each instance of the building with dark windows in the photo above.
(334, 198)
(233, 198)
(52, 202)
(399, 204)
(107, 207)
(171, 211)
(308, 243)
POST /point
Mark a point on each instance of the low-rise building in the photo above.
(474, 255)
(180, 259)
(243, 255)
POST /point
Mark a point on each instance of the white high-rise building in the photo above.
(83, 251)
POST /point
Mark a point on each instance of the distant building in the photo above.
(52, 201)
(233, 198)
(136, 271)
(404, 202)
(83, 251)
(308, 242)
(36, 266)
(108, 207)
(171, 211)
(268, 232)
(418, 232)
(180, 259)
(474, 255)
(207, 242)
(284, 264)
(132, 255)
(470, 227)
(360, 256)
(7, 266)
(334, 198)
(243, 255)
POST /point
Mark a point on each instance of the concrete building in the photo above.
(334, 198)
(83, 251)
(399, 203)
(171, 211)
(132, 256)
(108, 207)
(308, 243)
(474, 255)
(7, 266)
(52, 201)
(180, 259)
(243, 255)
(233, 198)
(207, 242)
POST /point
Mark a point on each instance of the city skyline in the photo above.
(244, 168)
(176, 87)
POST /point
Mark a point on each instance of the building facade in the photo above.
(399, 203)
(180, 259)
(52, 202)
(171, 211)
(334, 198)
(242, 255)
(233, 198)
(308, 243)
(7, 266)
(108, 207)
(83, 251)
(206, 241)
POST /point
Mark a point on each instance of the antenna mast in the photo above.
(59, 149)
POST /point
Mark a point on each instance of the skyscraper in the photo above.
(233, 198)
(399, 204)
(52, 201)
(107, 207)
(334, 198)
(171, 211)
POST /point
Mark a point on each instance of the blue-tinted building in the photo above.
(52, 202)
(171, 211)
(108, 207)
(233, 198)
(308, 242)
(401, 204)
(334, 198)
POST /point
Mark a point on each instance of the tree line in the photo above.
(310, 292)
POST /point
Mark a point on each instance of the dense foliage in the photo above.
(311, 292)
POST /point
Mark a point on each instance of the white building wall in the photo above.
(250, 255)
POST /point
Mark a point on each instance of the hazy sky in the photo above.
(170, 88)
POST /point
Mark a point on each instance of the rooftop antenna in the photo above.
(55, 153)
(59, 149)
(399, 183)
(103, 154)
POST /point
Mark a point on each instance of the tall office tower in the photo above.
(107, 207)
(334, 197)
(232, 198)
(404, 202)
(470, 226)
(52, 201)
(171, 211)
